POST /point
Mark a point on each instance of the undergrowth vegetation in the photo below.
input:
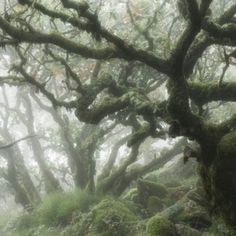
(79, 213)
(56, 210)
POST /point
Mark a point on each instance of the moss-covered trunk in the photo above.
(219, 178)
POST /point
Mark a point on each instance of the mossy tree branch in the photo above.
(190, 46)
(202, 93)
(156, 163)
(58, 40)
(121, 50)
(112, 182)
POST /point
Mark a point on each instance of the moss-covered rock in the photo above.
(190, 210)
(197, 219)
(172, 184)
(154, 205)
(177, 193)
(198, 195)
(185, 230)
(147, 189)
(109, 217)
(159, 226)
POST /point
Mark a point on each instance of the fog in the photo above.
(117, 118)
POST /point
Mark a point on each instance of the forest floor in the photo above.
(155, 205)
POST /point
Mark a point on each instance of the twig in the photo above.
(17, 141)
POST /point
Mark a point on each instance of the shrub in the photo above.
(57, 209)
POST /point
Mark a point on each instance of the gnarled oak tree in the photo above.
(69, 31)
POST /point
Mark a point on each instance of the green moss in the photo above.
(177, 193)
(206, 182)
(131, 195)
(138, 135)
(196, 217)
(57, 209)
(224, 178)
(147, 189)
(110, 217)
(159, 226)
(172, 183)
(227, 150)
(203, 93)
(155, 204)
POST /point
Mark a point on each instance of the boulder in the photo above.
(109, 217)
(160, 226)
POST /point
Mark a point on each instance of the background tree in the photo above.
(66, 34)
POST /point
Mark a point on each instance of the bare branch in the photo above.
(17, 141)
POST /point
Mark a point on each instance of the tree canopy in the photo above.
(113, 65)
